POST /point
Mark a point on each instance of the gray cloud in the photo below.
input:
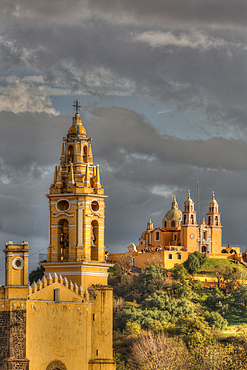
(200, 68)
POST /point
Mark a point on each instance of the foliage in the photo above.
(194, 330)
(157, 351)
(215, 320)
(37, 274)
(195, 262)
(155, 310)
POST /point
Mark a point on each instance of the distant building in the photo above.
(64, 321)
(179, 236)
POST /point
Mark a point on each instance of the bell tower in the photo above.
(77, 212)
(213, 221)
(189, 225)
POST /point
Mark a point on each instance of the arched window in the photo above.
(85, 154)
(179, 256)
(170, 256)
(157, 235)
(209, 220)
(192, 219)
(70, 153)
(175, 237)
(165, 224)
(184, 219)
(173, 223)
(94, 240)
(56, 295)
(204, 249)
(216, 221)
(63, 236)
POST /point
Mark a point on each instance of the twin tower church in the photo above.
(179, 236)
(64, 321)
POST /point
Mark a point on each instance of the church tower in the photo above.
(189, 225)
(77, 212)
(213, 221)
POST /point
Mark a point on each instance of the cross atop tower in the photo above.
(77, 106)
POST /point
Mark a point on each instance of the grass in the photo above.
(214, 262)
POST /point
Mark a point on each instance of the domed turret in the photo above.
(150, 227)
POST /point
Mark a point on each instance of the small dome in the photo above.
(77, 130)
(188, 200)
(143, 235)
(213, 200)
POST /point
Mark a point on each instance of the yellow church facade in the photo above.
(179, 236)
(63, 321)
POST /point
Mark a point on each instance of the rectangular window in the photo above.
(157, 235)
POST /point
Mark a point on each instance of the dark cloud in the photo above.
(200, 68)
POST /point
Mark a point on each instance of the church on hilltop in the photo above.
(180, 235)
(64, 321)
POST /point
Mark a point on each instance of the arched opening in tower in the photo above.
(85, 154)
(70, 153)
(63, 234)
(94, 240)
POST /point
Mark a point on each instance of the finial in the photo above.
(174, 199)
(77, 106)
(213, 194)
(188, 194)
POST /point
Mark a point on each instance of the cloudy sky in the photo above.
(163, 88)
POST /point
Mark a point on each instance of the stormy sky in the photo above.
(162, 86)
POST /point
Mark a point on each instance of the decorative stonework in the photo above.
(56, 365)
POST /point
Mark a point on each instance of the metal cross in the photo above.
(77, 106)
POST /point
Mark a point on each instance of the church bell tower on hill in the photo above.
(77, 212)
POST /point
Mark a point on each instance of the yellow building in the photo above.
(179, 236)
(63, 322)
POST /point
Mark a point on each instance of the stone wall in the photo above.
(13, 340)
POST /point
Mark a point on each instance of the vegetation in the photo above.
(37, 274)
(169, 320)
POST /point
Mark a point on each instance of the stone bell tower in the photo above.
(77, 212)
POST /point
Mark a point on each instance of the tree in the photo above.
(37, 274)
(195, 262)
(158, 352)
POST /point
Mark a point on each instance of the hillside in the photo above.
(193, 322)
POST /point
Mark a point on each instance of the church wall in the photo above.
(216, 240)
(58, 330)
(102, 328)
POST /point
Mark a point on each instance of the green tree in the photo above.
(37, 274)
(195, 262)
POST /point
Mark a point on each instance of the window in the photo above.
(192, 219)
(56, 295)
(204, 235)
(133, 261)
(175, 237)
(209, 220)
(216, 221)
(165, 224)
(179, 256)
(184, 219)
(157, 235)
(170, 256)
(173, 223)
